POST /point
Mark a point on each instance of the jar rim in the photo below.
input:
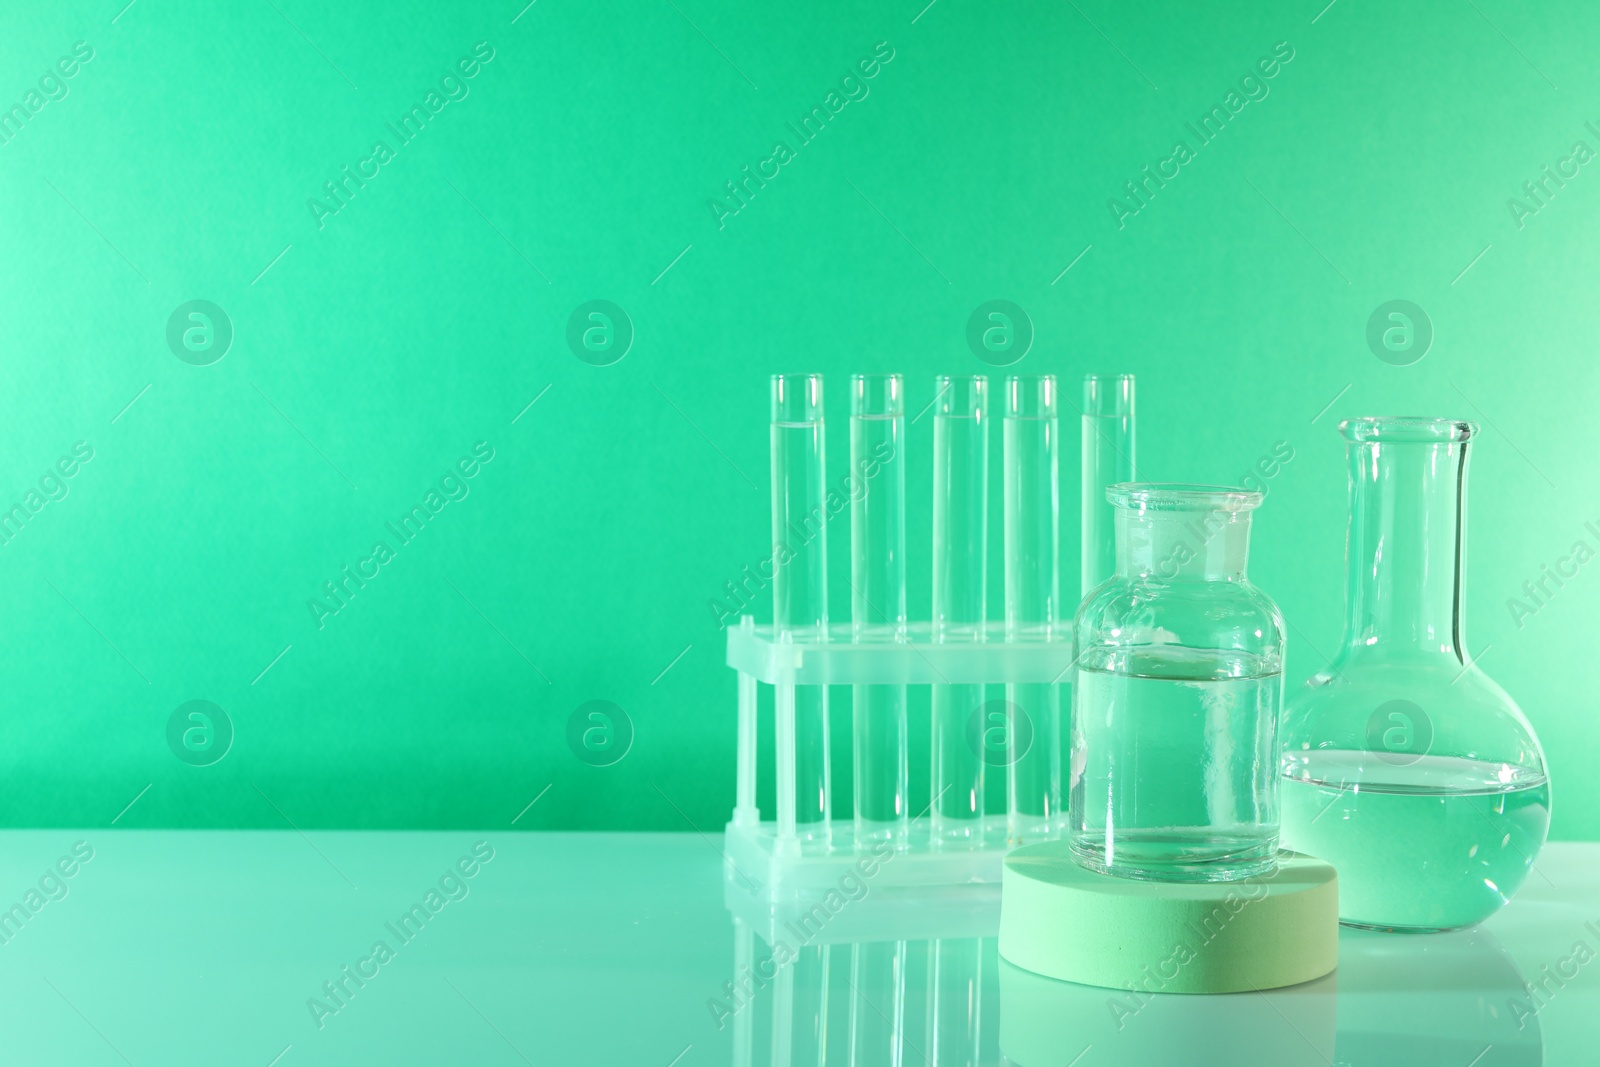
(1414, 428)
(1183, 496)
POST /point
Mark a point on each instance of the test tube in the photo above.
(878, 601)
(800, 602)
(1108, 449)
(960, 553)
(1032, 539)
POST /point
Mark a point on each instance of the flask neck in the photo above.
(1202, 544)
(1407, 547)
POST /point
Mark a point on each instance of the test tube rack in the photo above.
(770, 858)
(772, 864)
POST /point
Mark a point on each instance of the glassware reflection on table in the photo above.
(1404, 765)
(883, 992)
(1443, 999)
(1392, 1003)
(1179, 684)
(860, 1003)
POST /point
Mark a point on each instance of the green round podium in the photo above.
(1064, 921)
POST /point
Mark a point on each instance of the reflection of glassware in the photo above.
(1442, 999)
(1393, 1002)
(863, 985)
(1174, 712)
(1404, 765)
(1045, 1023)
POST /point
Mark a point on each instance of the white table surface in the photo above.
(178, 947)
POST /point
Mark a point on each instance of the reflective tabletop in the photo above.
(178, 947)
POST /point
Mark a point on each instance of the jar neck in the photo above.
(1202, 544)
(1407, 547)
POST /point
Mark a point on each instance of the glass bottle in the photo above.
(1179, 684)
(1404, 765)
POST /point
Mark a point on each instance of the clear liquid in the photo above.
(1174, 769)
(1436, 844)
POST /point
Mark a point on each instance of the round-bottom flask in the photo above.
(1404, 765)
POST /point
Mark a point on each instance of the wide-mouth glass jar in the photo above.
(1178, 689)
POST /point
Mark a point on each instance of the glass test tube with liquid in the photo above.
(800, 602)
(960, 554)
(878, 602)
(1031, 440)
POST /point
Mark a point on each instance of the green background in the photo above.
(425, 316)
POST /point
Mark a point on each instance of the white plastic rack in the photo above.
(770, 858)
